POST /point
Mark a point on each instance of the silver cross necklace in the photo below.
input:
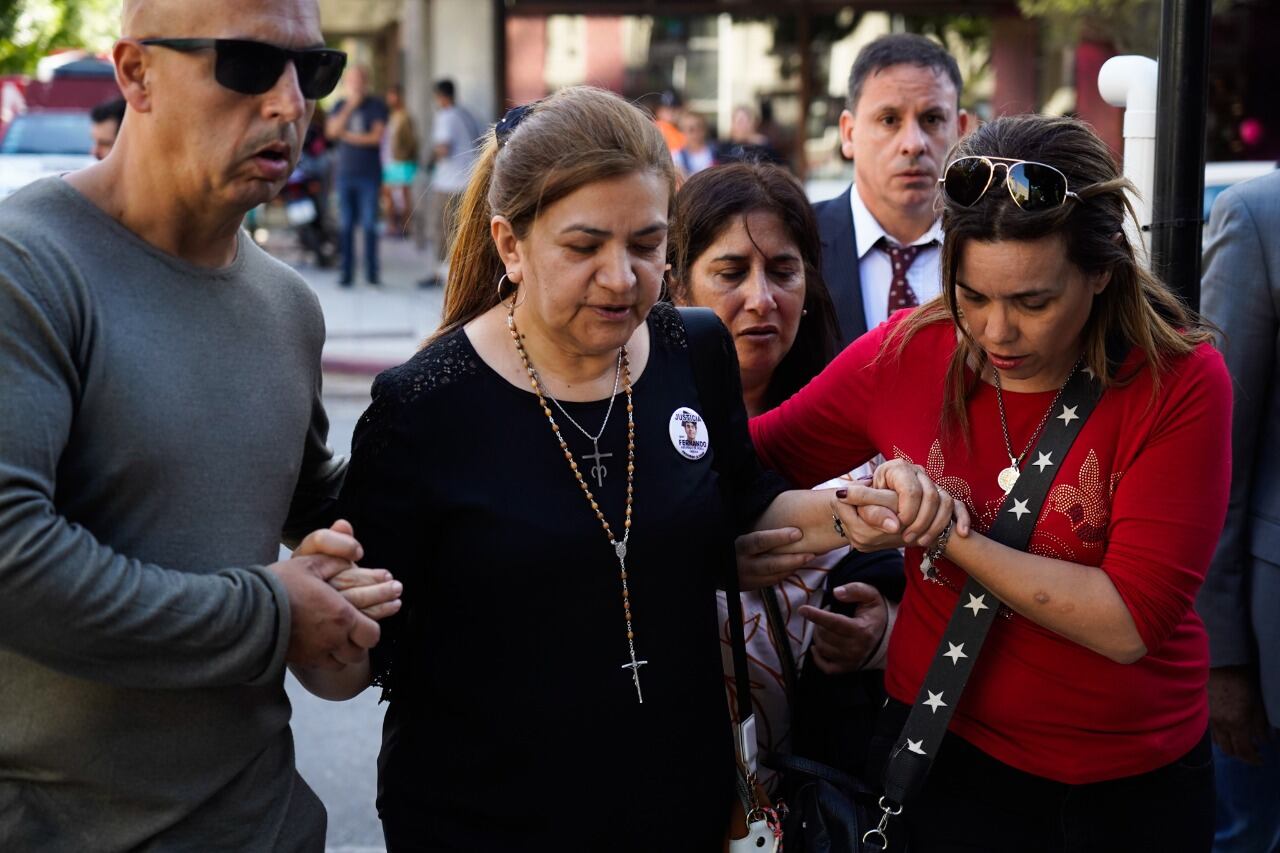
(598, 470)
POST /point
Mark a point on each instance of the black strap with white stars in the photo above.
(977, 608)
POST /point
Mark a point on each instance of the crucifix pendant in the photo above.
(634, 666)
(598, 471)
(620, 549)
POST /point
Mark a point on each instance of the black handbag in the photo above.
(824, 810)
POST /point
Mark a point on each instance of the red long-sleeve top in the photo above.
(1141, 494)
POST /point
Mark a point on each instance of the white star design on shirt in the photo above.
(1020, 509)
(955, 653)
(976, 603)
(916, 746)
(1043, 462)
(935, 701)
(1068, 415)
(1088, 371)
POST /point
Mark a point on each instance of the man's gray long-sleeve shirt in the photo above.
(160, 426)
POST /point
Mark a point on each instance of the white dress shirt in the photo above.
(876, 272)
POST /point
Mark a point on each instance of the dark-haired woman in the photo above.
(554, 674)
(745, 244)
(1083, 726)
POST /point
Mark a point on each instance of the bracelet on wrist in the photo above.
(939, 547)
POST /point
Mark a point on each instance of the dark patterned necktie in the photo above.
(900, 259)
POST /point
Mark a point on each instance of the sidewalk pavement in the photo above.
(370, 329)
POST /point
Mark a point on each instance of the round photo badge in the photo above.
(689, 433)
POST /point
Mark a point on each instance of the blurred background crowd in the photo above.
(720, 74)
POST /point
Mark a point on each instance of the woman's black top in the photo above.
(512, 723)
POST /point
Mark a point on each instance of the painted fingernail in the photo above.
(841, 494)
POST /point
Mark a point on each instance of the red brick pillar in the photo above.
(1015, 49)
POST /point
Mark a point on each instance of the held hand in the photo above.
(924, 510)
(1236, 717)
(868, 517)
(372, 591)
(338, 541)
(846, 643)
(326, 631)
(757, 567)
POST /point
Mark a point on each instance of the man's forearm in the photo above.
(74, 605)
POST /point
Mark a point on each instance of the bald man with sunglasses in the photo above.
(161, 430)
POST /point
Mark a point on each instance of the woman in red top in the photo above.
(1083, 726)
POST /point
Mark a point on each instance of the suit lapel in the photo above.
(840, 265)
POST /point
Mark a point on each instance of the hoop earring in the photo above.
(514, 292)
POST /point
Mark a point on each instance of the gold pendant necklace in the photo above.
(619, 545)
(1008, 477)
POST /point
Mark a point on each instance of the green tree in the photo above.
(30, 29)
(1132, 26)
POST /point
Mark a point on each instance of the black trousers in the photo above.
(972, 802)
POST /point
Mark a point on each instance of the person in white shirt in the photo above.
(881, 236)
(454, 134)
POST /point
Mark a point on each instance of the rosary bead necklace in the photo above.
(619, 545)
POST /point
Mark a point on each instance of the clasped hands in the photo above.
(900, 506)
(334, 604)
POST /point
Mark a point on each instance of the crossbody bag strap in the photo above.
(704, 330)
(777, 622)
(912, 755)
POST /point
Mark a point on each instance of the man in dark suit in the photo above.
(1240, 599)
(880, 243)
(881, 237)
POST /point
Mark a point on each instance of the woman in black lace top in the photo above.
(554, 676)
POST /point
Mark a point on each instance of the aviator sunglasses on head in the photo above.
(253, 67)
(1033, 186)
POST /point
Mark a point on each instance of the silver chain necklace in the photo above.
(598, 469)
(1008, 477)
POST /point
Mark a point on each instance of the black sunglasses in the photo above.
(253, 67)
(1033, 186)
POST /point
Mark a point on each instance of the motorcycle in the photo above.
(305, 211)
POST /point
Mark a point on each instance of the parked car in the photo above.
(40, 143)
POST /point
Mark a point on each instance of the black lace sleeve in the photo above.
(380, 498)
